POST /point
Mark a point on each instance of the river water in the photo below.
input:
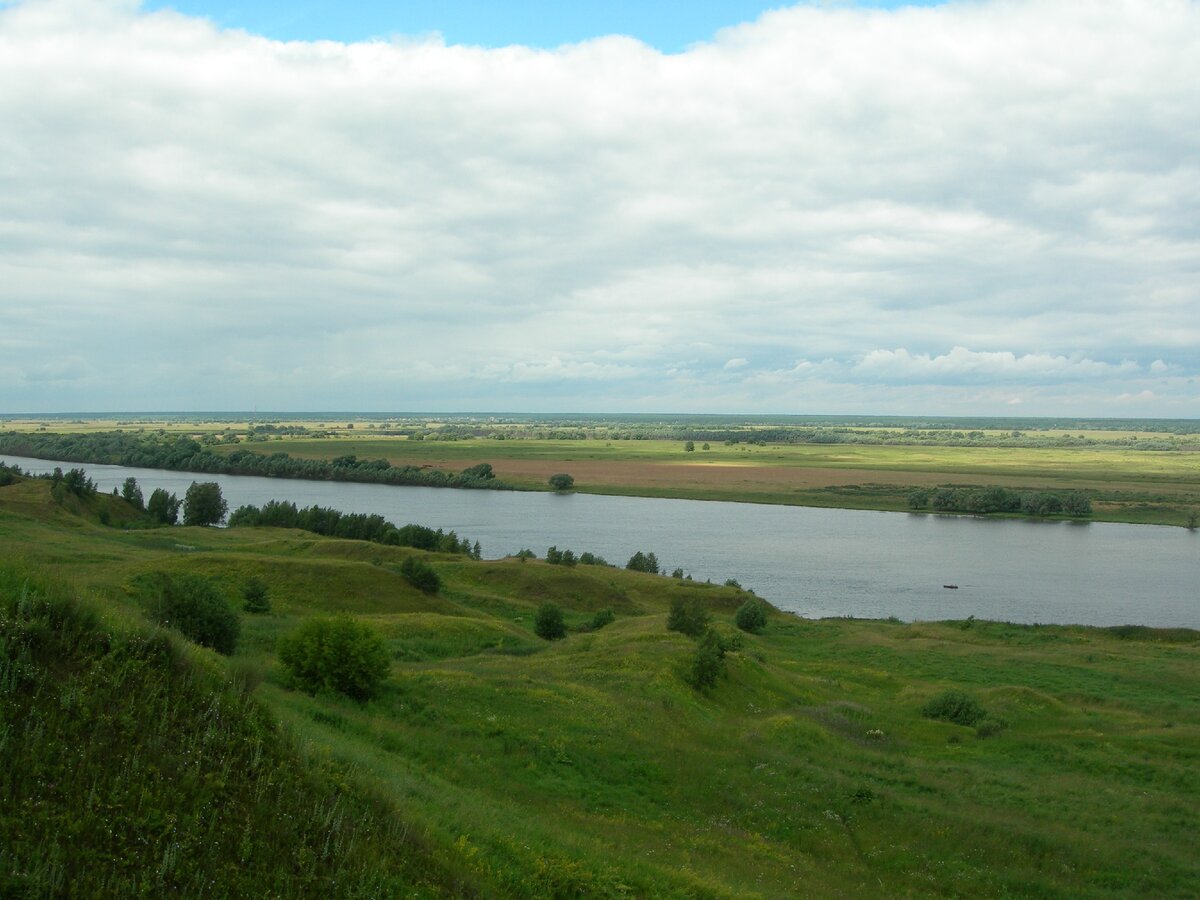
(814, 562)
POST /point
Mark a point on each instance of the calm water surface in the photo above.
(815, 562)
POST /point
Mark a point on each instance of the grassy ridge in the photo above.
(588, 767)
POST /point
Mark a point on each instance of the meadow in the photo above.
(495, 763)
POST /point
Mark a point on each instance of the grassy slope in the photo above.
(589, 767)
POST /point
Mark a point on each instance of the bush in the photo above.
(708, 663)
(956, 707)
(548, 623)
(562, 482)
(336, 655)
(751, 616)
(602, 618)
(254, 596)
(192, 605)
(421, 575)
(687, 617)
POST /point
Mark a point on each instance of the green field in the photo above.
(493, 763)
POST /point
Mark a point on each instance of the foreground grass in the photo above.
(587, 767)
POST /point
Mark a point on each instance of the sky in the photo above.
(982, 207)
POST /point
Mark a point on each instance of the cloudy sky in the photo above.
(984, 207)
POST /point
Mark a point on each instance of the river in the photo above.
(814, 562)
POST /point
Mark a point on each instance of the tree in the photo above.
(192, 605)
(689, 447)
(203, 504)
(687, 617)
(163, 507)
(132, 493)
(421, 575)
(548, 622)
(337, 655)
(77, 482)
(643, 562)
(708, 663)
(562, 482)
(254, 596)
(751, 616)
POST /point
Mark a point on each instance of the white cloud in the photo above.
(516, 227)
(963, 365)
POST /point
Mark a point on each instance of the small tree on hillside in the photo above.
(163, 507)
(192, 605)
(643, 562)
(336, 655)
(421, 575)
(751, 616)
(548, 623)
(254, 596)
(709, 662)
(687, 617)
(132, 493)
(203, 504)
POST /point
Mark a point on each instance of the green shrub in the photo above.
(254, 596)
(548, 623)
(421, 575)
(956, 707)
(338, 655)
(562, 481)
(602, 618)
(751, 616)
(708, 663)
(192, 605)
(687, 617)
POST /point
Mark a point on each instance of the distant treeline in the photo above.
(759, 435)
(353, 526)
(182, 454)
(999, 499)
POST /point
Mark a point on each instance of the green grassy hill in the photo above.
(495, 763)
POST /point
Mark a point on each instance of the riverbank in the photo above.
(518, 767)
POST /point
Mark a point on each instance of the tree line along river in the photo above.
(813, 562)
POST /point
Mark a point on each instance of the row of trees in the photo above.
(999, 499)
(354, 526)
(203, 503)
(187, 455)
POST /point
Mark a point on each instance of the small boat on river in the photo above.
(950, 587)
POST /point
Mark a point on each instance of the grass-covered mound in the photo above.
(135, 767)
